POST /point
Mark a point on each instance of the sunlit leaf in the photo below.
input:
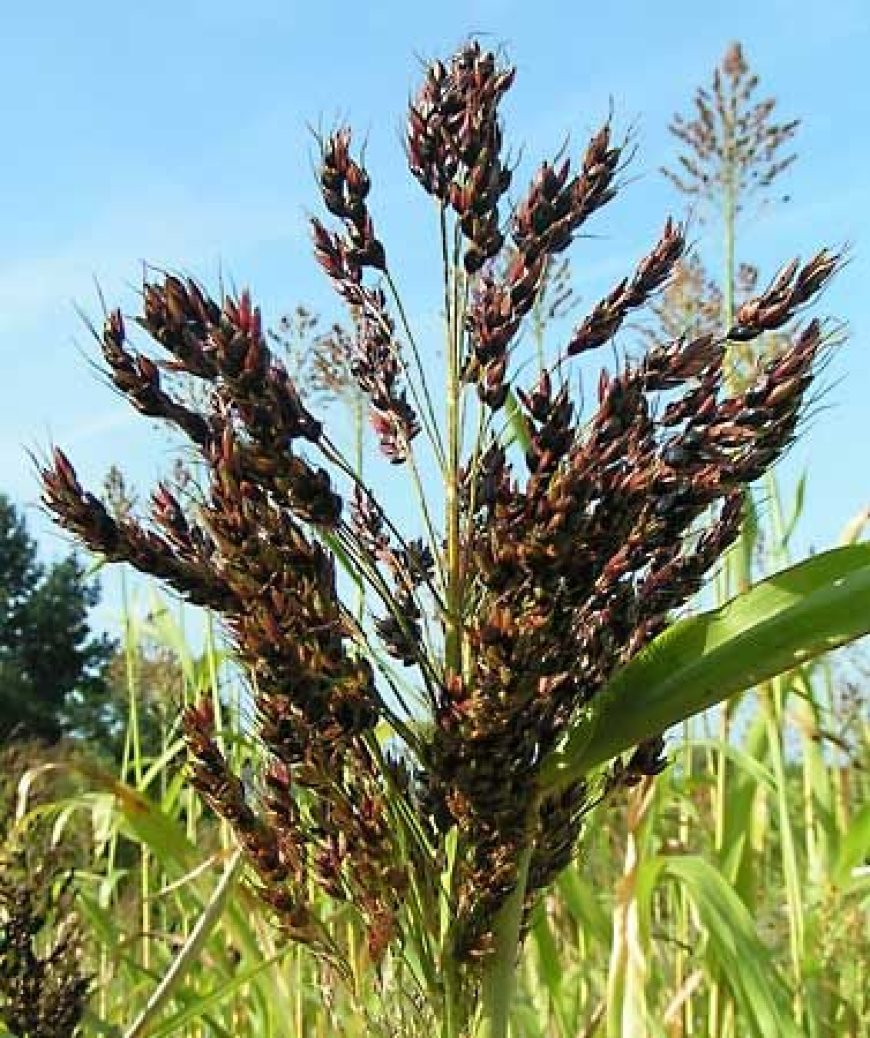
(776, 625)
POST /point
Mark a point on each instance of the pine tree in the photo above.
(52, 665)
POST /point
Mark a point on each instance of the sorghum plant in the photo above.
(733, 152)
(560, 549)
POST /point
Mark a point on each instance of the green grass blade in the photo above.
(220, 994)
(189, 953)
(738, 756)
(797, 510)
(550, 970)
(733, 944)
(582, 903)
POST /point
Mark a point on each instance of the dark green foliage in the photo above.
(52, 666)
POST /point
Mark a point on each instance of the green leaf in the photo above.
(743, 760)
(777, 625)
(343, 559)
(189, 954)
(854, 847)
(733, 944)
(519, 429)
(796, 511)
(95, 1026)
(219, 995)
(583, 905)
(550, 969)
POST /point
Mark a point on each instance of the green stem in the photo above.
(424, 398)
(453, 589)
(772, 705)
(451, 1020)
(499, 979)
(452, 573)
(729, 221)
(358, 436)
(735, 575)
(420, 494)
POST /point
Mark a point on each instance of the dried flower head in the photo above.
(732, 145)
(690, 303)
(320, 359)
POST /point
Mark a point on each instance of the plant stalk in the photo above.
(499, 979)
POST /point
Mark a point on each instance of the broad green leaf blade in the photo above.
(776, 625)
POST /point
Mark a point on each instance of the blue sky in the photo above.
(178, 133)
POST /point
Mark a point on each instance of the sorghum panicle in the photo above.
(573, 552)
(455, 141)
(732, 143)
